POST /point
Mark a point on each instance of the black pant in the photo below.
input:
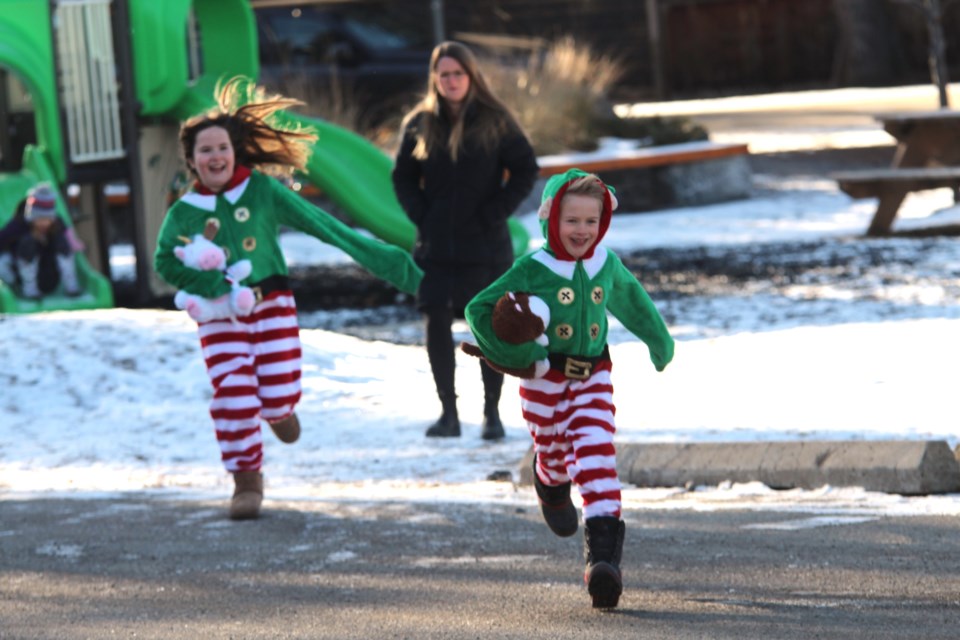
(444, 293)
(28, 249)
(442, 354)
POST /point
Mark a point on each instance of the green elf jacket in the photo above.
(250, 216)
(578, 293)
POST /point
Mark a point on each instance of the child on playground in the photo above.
(254, 361)
(545, 321)
(37, 248)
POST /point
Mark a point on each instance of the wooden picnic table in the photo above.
(924, 138)
(927, 157)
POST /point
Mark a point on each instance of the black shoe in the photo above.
(603, 547)
(492, 427)
(555, 505)
(448, 426)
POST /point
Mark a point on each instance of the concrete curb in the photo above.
(906, 467)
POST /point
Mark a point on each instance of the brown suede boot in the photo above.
(247, 495)
(287, 430)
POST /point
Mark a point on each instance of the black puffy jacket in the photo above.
(461, 208)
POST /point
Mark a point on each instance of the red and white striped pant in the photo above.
(572, 424)
(254, 365)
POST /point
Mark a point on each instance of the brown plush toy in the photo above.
(520, 317)
(517, 318)
(529, 371)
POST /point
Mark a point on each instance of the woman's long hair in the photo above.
(492, 117)
(261, 137)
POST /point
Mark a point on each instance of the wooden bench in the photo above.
(891, 186)
(653, 178)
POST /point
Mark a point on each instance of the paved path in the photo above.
(152, 568)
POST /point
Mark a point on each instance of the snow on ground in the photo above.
(100, 402)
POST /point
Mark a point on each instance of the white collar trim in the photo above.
(566, 268)
(209, 202)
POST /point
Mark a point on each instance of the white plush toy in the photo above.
(201, 253)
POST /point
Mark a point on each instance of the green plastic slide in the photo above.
(96, 291)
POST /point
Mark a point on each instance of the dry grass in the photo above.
(559, 93)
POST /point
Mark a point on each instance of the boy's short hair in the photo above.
(588, 185)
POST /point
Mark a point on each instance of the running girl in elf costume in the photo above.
(545, 321)
(254, 360)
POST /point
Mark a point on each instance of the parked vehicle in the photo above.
(370, 55)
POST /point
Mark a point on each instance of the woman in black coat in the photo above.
(463, 166)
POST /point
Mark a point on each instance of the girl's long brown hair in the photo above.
(261, 136)
(493, 117)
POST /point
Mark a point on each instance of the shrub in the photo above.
(560, 95)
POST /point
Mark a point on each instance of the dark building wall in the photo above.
(746, 46)
(710, 47)
(614, 27)
(715, 47)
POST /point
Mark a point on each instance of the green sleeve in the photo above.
(479, 314)
(631, 305)
(386, 261)
(207, 284)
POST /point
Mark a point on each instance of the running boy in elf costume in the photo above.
(545, 321)
(254, 360)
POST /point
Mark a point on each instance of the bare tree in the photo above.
(937, 47)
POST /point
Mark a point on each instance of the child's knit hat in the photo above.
(549, 211)
(41, 203)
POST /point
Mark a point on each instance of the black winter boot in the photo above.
(602, 548)
(492, 384)
(555, 505)
(448, 425)
(492, 427)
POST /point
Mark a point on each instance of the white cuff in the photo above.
(540, 368)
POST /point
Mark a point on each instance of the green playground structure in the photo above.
(13, 188)
(94, 90)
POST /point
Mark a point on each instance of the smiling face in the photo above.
(213, 158)
(579, 223)
(452, 81)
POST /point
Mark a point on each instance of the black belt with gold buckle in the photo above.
(577, 367)
(268, 285)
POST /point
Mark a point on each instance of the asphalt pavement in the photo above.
(142, 566)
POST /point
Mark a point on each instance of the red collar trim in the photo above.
(240, 173)
(553, 225)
